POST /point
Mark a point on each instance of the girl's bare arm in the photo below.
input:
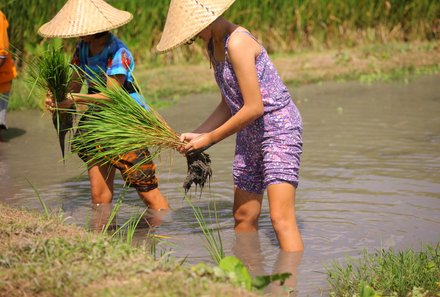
(242, 52)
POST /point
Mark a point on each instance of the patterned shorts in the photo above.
(136, 171)
(142, 178)
(268, 152)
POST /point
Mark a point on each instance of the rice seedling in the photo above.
(46, 209)
(212, 237)
(119, 124)
(52, 73)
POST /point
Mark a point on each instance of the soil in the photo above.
(199, 171)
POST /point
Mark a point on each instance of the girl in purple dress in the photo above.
(256, 105)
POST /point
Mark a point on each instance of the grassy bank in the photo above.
(388, 273)
(43, 257)
(366, 63)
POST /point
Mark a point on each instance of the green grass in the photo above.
(44, 257)
(388, 273)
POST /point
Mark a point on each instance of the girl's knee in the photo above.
(247, 216)
(281, 221)
(100, 195)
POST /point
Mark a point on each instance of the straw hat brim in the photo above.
(186, 19)
(84, 17)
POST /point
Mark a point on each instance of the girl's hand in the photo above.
(196, 141)
(186, 137)
(50, 102)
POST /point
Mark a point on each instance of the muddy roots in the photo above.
(199, 171)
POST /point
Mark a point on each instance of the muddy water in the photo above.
(370, 178)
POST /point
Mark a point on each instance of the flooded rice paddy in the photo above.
(370, 178)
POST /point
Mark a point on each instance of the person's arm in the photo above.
(242, 53)
(218, 117)
(78, 98)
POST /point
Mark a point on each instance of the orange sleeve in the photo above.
(4, 42)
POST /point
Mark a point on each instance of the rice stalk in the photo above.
(213, 239)
(51, 72)
(118, 125)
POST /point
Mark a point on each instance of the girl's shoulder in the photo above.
(241, 39)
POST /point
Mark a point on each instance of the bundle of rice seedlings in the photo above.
(118, 125)
(52, 72)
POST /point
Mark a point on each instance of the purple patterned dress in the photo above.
(267, 150)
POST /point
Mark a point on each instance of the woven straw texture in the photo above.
(187, 18)
(84, 17)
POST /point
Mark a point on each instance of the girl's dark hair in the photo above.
(211, 53)
(100, 34)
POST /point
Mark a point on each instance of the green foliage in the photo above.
(387, 273)
(51, 71)
(236, 271)
(232, 269)
(282, 25)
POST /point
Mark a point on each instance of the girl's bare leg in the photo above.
(101, 183)
(282, 213)
(247, 208)
(154, 199)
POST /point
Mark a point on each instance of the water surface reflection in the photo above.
(370, 178)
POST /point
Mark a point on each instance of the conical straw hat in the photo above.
(84, 17)
(187, 18)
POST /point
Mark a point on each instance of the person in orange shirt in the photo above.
(7, 70)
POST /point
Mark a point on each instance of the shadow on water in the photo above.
(370, 178)
(11, 133)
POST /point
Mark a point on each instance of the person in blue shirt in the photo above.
(99, 52)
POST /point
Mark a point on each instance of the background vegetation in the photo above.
(282, 25)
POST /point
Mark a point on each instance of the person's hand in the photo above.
(186, 137)
(51, 105)
(196, 141)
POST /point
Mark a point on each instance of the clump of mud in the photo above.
(199, 171)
